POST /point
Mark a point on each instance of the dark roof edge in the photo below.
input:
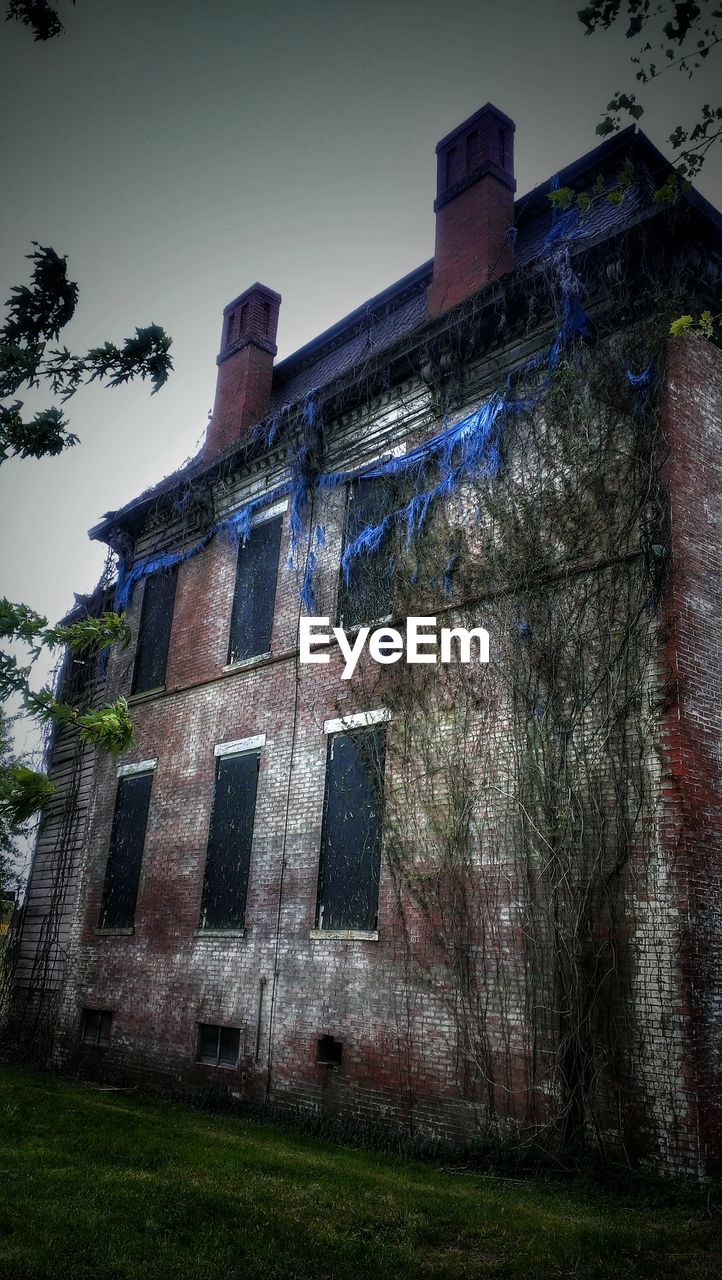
(413, 281)
(314, 349)
(599, 154)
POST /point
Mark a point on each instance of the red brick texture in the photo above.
(245, 367)
(475, 208)
(692, 730)
(285, 988)
(472, 245)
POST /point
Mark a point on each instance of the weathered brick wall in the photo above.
(285, 988)
(692, 728)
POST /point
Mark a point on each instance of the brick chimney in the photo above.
(245, 367)
(474, 208)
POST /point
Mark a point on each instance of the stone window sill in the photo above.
(146, 695)
(244, 663)
(219, 933)
(344, 935)
(114, 933)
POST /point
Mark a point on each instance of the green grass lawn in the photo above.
(99, 1184)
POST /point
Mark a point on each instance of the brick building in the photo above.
(264, 897)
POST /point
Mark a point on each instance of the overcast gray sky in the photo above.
(180, 150)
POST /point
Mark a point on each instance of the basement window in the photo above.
(225, 883)
(329, 1052)
(218, 1046)
(95, 1026)
(125, 853)
(156, 620)
(368, 592)
(255, 594)
(350, 861)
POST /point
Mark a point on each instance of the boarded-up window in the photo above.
(126, 851)
(225, 884)
(368, 592)
(218, 1046)
(348, 880)
(156, 619)
(255, 593)
(95, 1026)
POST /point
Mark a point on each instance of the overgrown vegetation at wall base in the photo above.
(107, 1184)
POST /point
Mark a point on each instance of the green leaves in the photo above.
(684, 41)
(21, 624)
(562, 198)
(144, 356)
(91, 633)
(36, 314)
(46, 435)
(681, 325)
(704, 326)
(566, 197)
(23, 793)
(109, 728)
(672, 188)
(39, 311)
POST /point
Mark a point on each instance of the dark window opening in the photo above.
(255, 594)
(368, 592)
(76, 678)
(218, 1046)
(225, 883)
(95, 1026)
(473, 150)
(156, 620)
(236, 324)
(125, 853)
(350, 861)
(329, 1052)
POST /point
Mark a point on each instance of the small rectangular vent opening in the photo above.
(218, 1046)
(95, 1026)
(329, 1052)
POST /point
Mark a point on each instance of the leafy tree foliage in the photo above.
(43, 20)
(36, 313)
(10, 769)
(676, 36)
(31, 356)
(23, 791)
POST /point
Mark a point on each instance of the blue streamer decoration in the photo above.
(642, 379)
(467, 450)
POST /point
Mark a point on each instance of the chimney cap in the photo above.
(487, 110)
(254, 288)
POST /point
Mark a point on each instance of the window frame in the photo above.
(169, 574)
(398, 451)
(361, 722)
(98, 1041)
(219, 1028)
(229, 751)
(273, 514)
(126, 773)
